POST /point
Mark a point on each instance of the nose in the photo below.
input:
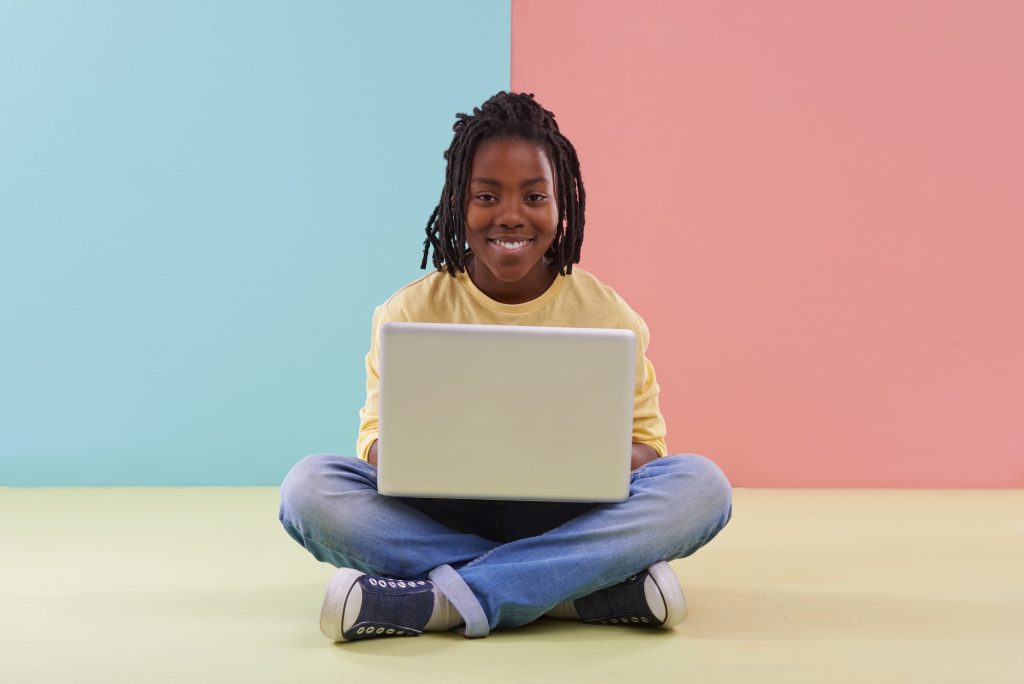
(510, 216)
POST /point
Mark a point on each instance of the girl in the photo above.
(505, 236)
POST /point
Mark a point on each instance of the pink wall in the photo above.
(819, 209)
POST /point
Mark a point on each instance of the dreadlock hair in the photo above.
(505, 115)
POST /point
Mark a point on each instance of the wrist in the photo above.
(641, 454)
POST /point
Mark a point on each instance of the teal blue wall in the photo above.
(200, 205)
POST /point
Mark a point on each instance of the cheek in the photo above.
(551, 217)
(475, 219)
(477, 213)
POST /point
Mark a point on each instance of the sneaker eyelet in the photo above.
(643, 619)
(390, 631)
(392, 584)
(380, 630)
(373, 582)
(401, 584)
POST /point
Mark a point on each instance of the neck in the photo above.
(533, 285)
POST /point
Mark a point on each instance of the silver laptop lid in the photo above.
(505, 412)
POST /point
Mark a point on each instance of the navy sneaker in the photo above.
(652, 598)
(358, 606)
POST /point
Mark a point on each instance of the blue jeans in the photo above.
(503, 564)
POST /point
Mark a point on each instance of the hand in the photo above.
(371, 456)
(642, 453)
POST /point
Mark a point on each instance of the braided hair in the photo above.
(506, 115)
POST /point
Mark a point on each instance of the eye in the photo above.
(485, 197)
(536, 197)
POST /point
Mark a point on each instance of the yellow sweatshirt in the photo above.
(578, 300)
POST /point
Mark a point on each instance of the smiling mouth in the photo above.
(510, 246)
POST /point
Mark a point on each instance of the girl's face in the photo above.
(511, 216)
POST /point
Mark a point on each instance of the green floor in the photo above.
(149, 585)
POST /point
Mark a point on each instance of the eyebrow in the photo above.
(494, 183)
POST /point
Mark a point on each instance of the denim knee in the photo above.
(713, 485)
(324, 497)
(700, 496)
(301, 482)
(304, 494)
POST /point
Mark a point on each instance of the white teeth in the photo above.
(511, 245)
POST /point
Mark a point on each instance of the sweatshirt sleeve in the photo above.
(648, 423)
(369, 413)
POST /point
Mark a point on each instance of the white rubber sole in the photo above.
(668, 584)
(332, 613)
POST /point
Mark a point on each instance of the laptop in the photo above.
(505, 412)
